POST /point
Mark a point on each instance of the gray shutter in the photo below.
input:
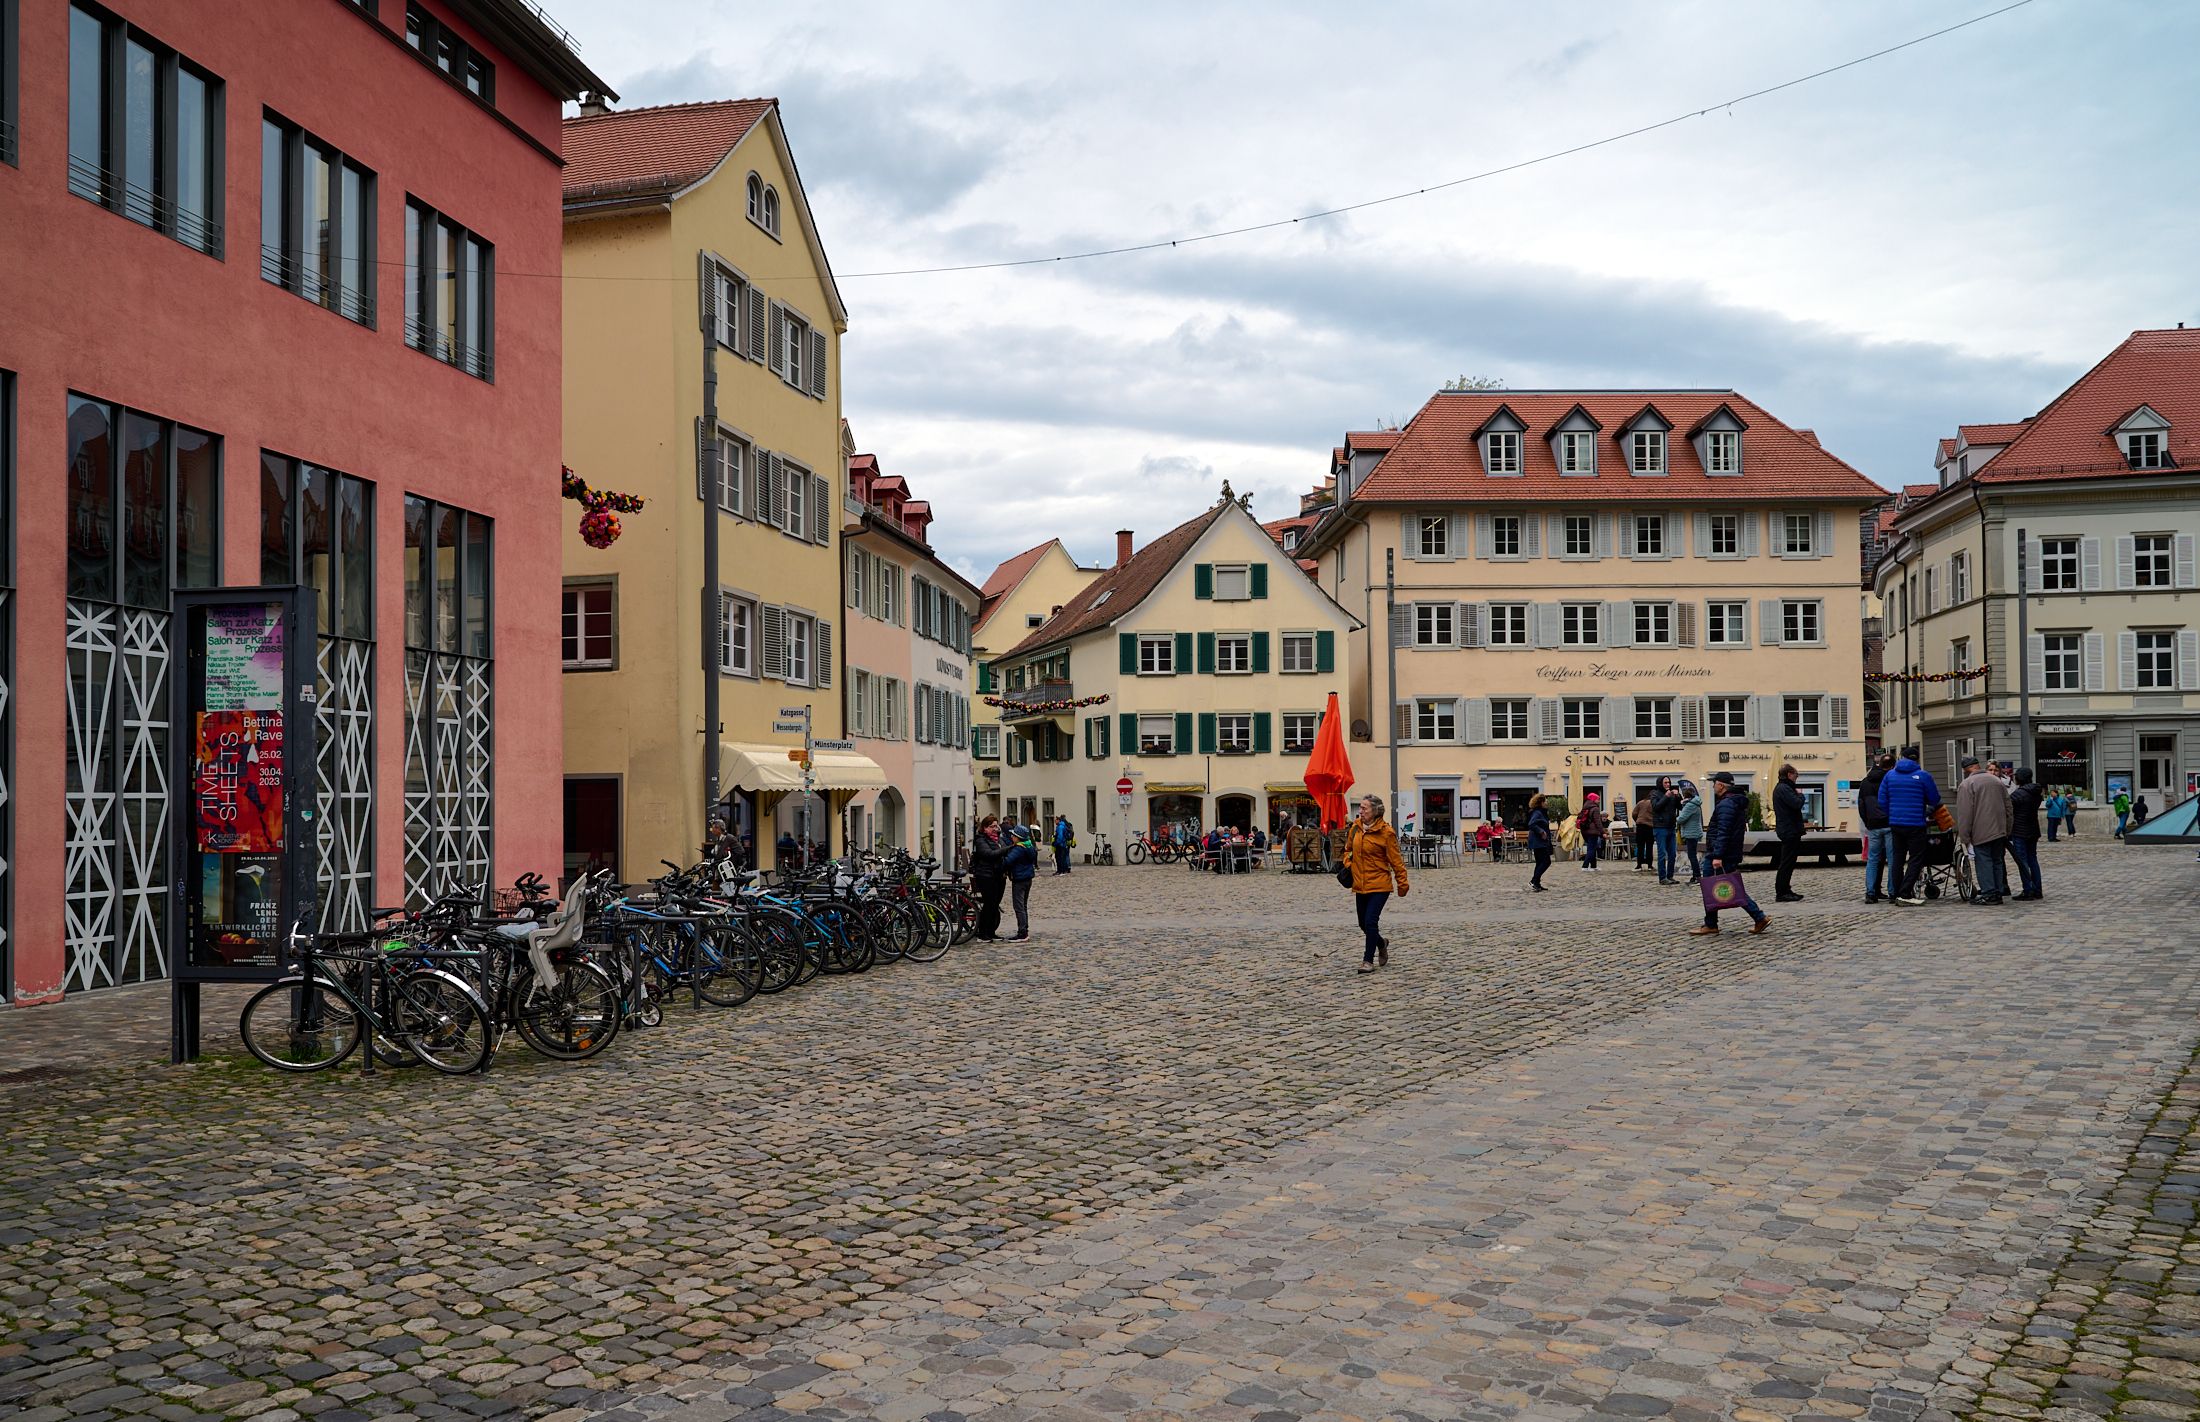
(702, 463)
(2035, 662)
(821, 526)
(1603, 540)
(775, 355)
(2089, 564)
(1401, 723)
(1702, 530)
(1837, 718)
(1616, 625)
(755, 325)
(706, 293)
(821, 649)
(2096, 657)
(1401, 625)
(2188, 567)
(752, 475)
(2126, 559)
(1771, 627)
(1546, 719)
(773, 620)
(1549, 623)
(1747, 524)
(2188, 660)
(1484, 547)
(1531, 535)
(816, 371)
(1821, 537)
(1771, 724)
(1672, 539)
(1688, 715)
(1684, 624)
(1455, 537)
(1466, 621)
(2127, 661)
(1617, 718)
(1474, 720)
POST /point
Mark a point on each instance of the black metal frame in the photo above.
(424, 332)
(282, 263)
(10, 47)
(431, 648)
(294, 536)
(186, 691)
(118, 495)
(107, 186)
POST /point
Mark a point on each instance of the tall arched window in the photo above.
(756, 198)
(771, 211)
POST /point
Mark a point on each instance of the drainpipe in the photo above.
(1390, 641)
(2024, 654)
(1986, 683)
(708, 477)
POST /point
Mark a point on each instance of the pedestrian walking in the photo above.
(1641, 831)
(1022, 862)
(1909, 796)
(1371, 852)
(2139, 812)
(2070, 811)
(1065, 839)
(1539, 840)
(2122, 806)
(1590, 825)
(2024, 833)
(1665, 808)
(1982, 822)
(2053, 807)
(989, 876)
(1688, 824)
(1787, 825)
(1724, 845)
(1878, 838)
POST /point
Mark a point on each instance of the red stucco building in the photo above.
(278, 303)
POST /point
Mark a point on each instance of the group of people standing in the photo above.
(1004, 859)
(1997, 815)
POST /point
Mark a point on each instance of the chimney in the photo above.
(1122, 546)
(593, 105)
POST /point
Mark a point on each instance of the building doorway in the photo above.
(1175, 817)
(1236, 811)
(591, 826)
(886, 819)
(2158, 771)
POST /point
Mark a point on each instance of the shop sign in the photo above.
(2066, 728)
(948, 668)
(1188, 788)
(1563, 673)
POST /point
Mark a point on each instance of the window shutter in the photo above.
(1771, 723)
(1263, 732)
(1618, 627)
(821, 513)
(1618, 718)
(1126, 645)
(773, 621)
(1749, 717)
(2096, 657)
(2035, 661)
(1548, 623)
(1473, 713)
(1688, 713)
(1701, 535)
(856, 557)
(1747, 523)
(1258, 577)
(1203, 580)
(2188, 574)
(2188, 660)
(1669, 534)
(1260, 651)
(1546, 719)
(1127, 725)
(1770, 625)
(2089, 564)
(1325, 652)
(776, 350)
(1100, 725)
(1183, 741)
(2127, 661)
(754, 325)
(823, 651)
(816, 371)
(706, 292)
(1837, 718)
(1531, 535)
(1455, 537)
(1401, 626)
(2126, 562)
(1206, 654)
(1684, 624)
(1483, 546)
(1466, 621)
(1401, 723)
(1183, 662)
(1603, 541)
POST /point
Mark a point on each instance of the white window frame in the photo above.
(1509, 719)
(2059, 565)
(1435, 719)
(1581, 718)
(1577, 452)
(2062, 661)
(580, 632)
(1297, 653)
(1959, 579)
(1731, 526)
(889, 721)
(737, 635)
(1586, 526)
(1581, 624)
(1802, 718)
(1166, 739)
(801, 648)
(1795, 612)
(1504, 451)
(1435, 624)
(1726, 623)
(1518, 526)
(1150, 664)
(1649, 536)
(1723, 451)
(1653, 718)
(1432, 535)
(1233, 653)
(2146, 549)
(1798, 535)
(2158, 649)
(1233, 733)
(1239, 587)
(1294, 744)
(1508, 625)
(1654, 624)
(1726, 718)
(1646, 452)
(2146, 449)
(733, 464)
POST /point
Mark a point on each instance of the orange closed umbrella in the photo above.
(1328, 770)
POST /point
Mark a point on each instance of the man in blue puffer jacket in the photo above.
(1909, 796)
(1725, 842)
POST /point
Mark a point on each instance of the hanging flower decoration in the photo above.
(601, 508)
(1926, 678)
(1010, 703)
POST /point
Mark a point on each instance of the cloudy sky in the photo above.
(1947, 234)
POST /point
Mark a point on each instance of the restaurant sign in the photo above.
(2066, 728)
(1187, 788)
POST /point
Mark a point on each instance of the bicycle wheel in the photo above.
(1966, 875)
(781, 944)
(1136, 854)
(878, 922)
(293, 1026)
(572, 1021)
(438, 1016)
(723, 966)
(935, 934)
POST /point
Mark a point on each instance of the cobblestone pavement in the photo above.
(1174, 1159)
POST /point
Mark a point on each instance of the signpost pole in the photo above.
(809, 750)
(2024, 655)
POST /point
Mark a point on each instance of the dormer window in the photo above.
(1577, 452)
(1646, 452)
(2143, 449)
(1504, 452)
(1499, 437)
(2142, 437)
(1723, 452)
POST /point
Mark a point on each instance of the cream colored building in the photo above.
(1196, 668)
(2099, 491)
(689, 246)
(1565, 591)
(1017, 599)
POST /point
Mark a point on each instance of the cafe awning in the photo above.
(765, 770)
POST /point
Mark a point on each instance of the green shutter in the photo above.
(985, 678)
(1183, 745)
(1088, 736)
(1127, 644)
(1183, 654)
(1128, 725)
(1260, 580)
(1103, 729)
(1260, 733)
(1325, 652)
(1203, 580)
(1206, 733)
(1260, 651)
(1206, 654)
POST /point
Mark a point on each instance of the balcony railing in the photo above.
(1033, 700)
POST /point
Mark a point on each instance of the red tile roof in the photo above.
(1947, 452)
(1923, 491)
(662, 149)
(1373, 439)
(2071, 439)
(1121, 587)
(1991, 434)
(1010, 573)
(1436, 458)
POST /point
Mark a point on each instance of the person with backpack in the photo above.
(1909, 796)
(2122, 806)
(1022, 863)
(1590, 825)
(1539, 840)
(1878, 839)
(1065, 839)
(989, 876)
(1726, 844)
(1373, 859)
(1688, 825)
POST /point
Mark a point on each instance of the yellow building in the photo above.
(1566, 591)
(689, 248)
(1196, 669)
(1016, 600)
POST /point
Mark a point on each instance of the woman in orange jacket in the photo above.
(1371, 853)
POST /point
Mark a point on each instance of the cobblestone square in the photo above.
(1176, 1159)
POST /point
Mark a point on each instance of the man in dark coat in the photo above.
(1724, 842)
(1787, 824)
(1878, 838)
(989, 876)
(1665, 808)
